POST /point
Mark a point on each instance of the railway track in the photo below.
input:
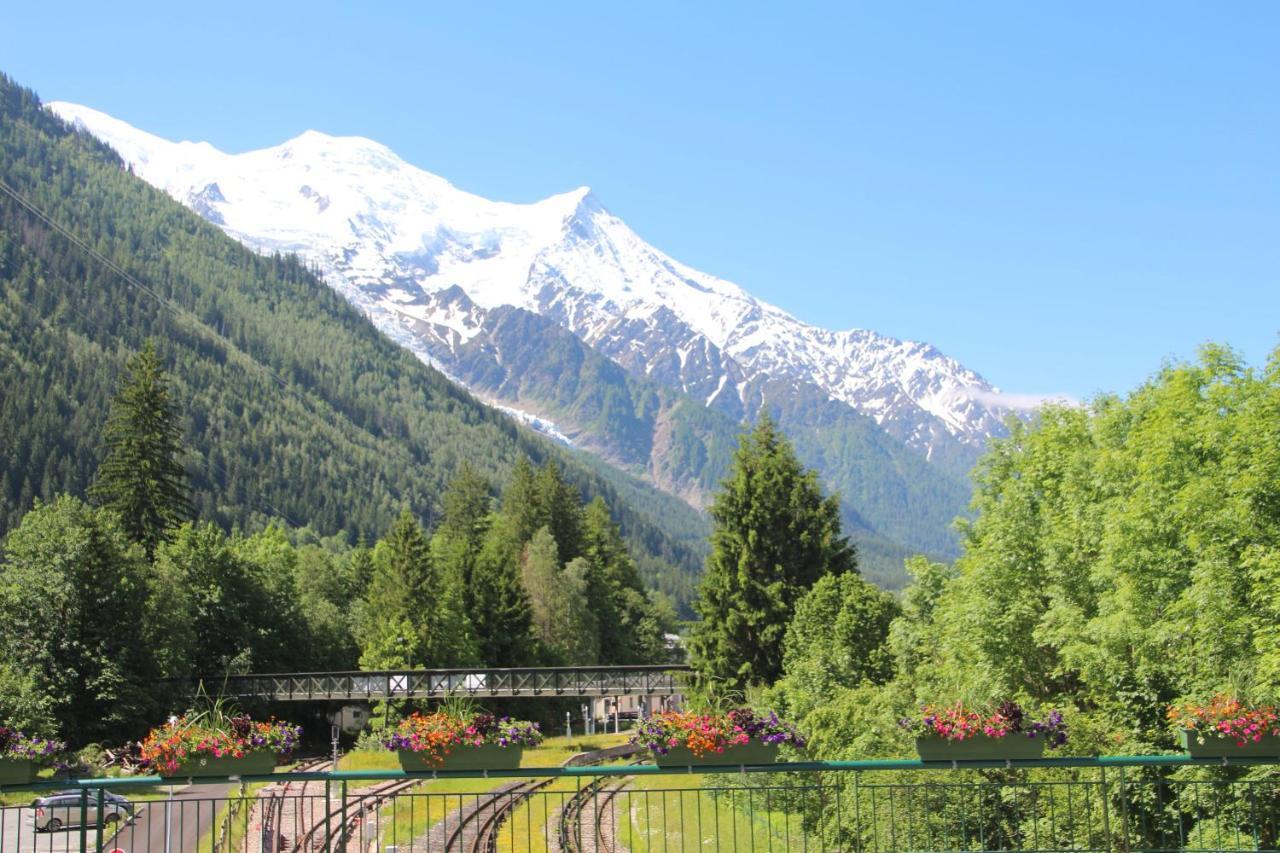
(597, 797)
(477, 831)
(477, 828)
(273, 803)
(336, 826)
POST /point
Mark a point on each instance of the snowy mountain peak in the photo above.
(401, 243)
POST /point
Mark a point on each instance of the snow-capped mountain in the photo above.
(399, 242)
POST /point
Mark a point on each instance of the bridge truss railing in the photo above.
(1108, 805)
(595, 681)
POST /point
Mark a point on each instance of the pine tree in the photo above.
(141, 477)
(500, 611)
(468, 513)
(775, 535)
(629, 627)
(520, 500)
(404, 589)
(560, 509)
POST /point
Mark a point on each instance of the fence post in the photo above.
(102, 797)
(857, 811)
(328, 809)
(342, 832)
(84, 820)
(1106, 809)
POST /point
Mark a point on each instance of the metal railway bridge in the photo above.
(525, 682)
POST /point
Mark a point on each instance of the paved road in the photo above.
(184, 821)
(18, 835)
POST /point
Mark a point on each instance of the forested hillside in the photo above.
(294, 406)
(893, 503)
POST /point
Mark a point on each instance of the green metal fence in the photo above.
(1144, 803)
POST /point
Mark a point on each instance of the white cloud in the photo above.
(1021, 402)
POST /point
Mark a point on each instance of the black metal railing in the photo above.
(523, 682)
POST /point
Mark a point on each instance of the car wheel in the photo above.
(111, 817)
(53, 825)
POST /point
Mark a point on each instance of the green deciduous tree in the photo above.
(837, 639)
(141, 477)
(775, 535)
(72, 594)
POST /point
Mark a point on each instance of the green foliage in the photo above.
(1123, 557)
(775, 536)
(837, 639)
(501, 612)
(408, 592)
(72, 594)
(141, 478)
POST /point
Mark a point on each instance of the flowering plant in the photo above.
(1226, 716)
(438, 734)
(712, 733)
(957, 722)
(15, 744)
(194, 735)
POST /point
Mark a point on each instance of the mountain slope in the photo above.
(890, 493)
(388, 233)
(295, 406)
(433, 267)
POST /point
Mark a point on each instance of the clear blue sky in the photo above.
(1061, 196)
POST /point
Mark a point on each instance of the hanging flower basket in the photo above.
(742, 754)
(443, 741)
(21, 756)
(17, 771)
(1229, 746)
(979, 747)
(957, 733)
(1226, 727)
(257, 762)
(740, 737)
(486, 756)
(201, 745)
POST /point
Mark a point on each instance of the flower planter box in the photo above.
(488, 756)
(980, 747)
(17, 771)
(734, 756)
(1226, 746)
(257, 763)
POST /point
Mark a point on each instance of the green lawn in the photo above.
(677, 813)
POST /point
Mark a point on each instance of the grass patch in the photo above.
(679, 813)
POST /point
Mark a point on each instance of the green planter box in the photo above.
(980, 747)
(734, 756)
(17, 771)
(255, 763)
(488, 756)
(1223, 746)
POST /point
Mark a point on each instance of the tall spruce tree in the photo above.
(141, 477)
(775, 536)
(501, 612)
(468, 513)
